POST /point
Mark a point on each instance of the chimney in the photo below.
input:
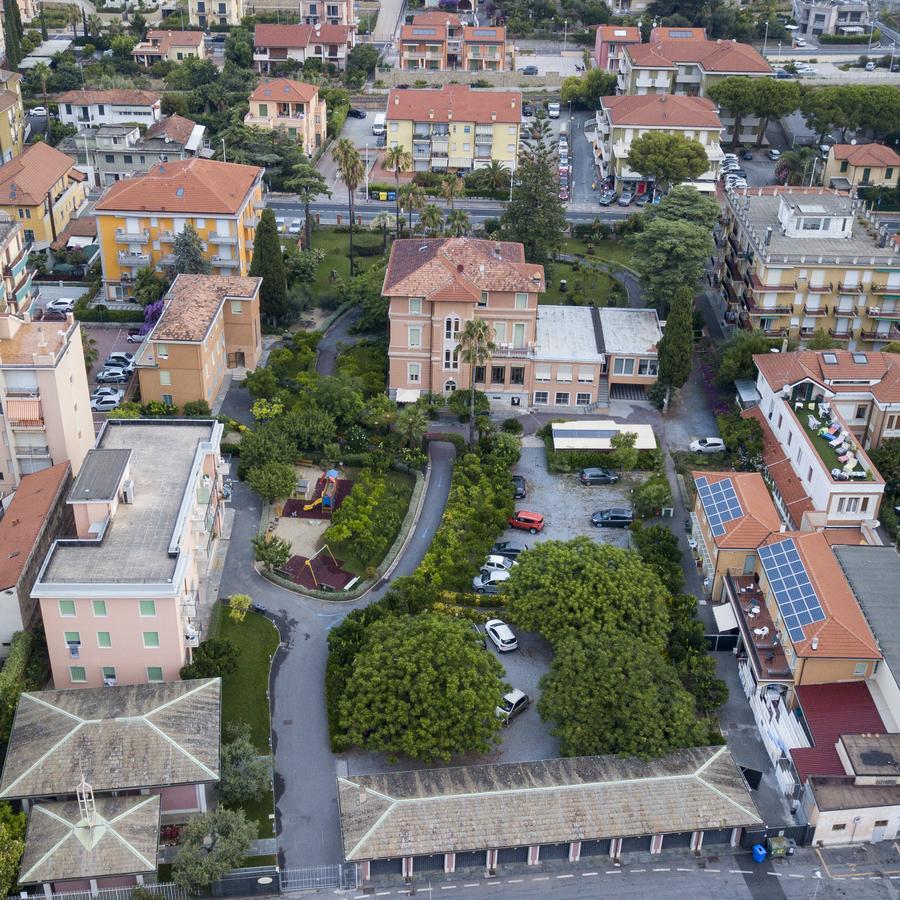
(815, 643)
(493, 117)
(768, 235)
(396, 99)
(430, 113)
(460, 268)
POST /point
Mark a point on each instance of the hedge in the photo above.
(336, 117)
(576, 460)
(12, 679)
(102, 314)
(859, 39)
(451, 437)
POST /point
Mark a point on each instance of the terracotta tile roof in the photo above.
(175, 128)
(484, 34)
(8, 99)
(183, 186)
(286, 90)
(712, 56)
(619, 34)
(25, 179)
(168, 39)
(661, 111)
(437, 31)
(83, 226)
(866, 154)
(675, 33)
(831, 710)
(300, 36)
(844, 633)
(456, 101)
(25, 518)
(793, 495)
(844, 536)
(648, 56)
(116, 97)
(458, 268)
(193, 302)
(760, 517)
(435, 17)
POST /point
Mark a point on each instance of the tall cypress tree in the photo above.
(12, 32)
(188, 251)
(268, 264)
(44, 34)
(677, 342)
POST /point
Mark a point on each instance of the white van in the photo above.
(378, 126)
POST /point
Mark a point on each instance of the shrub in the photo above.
(196, 409)
(367, 244)
(512, 426)
(459, 404)
(849, 38)
(227, 448)
(214, 658)
(156, 409)
(12, 680)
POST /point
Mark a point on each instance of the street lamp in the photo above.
(766, 38)
(565, 33)
(223, 151)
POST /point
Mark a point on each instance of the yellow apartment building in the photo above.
(215, 12)
(17, 289)
(291, 106)
(42, 189)
(861, 165)
(455, 128)
(138, 218)
(209, 326)
(171, 46)
(12, 116)
(797, 261)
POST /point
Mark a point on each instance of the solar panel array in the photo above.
(794, 594)
(720, 503)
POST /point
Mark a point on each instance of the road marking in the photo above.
(542, 878)
(449, 887)
(382, 894)
(587, 874)
(684, 870)
(471, 885)
(565, 876)
(515, 881)
(713, 870)
(662, 870)
(638, 870)
(776, 874)
(796, 876)
(738, 871)
(614, 872)
(493, 881)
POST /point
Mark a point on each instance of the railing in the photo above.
(134, 259)
(222, 238)
(876, 312)
(774, 332)
(807, 332)
(167, 237)
(840, 335)
(892, 335)
(228, 262)
(32, 451)
(820, 288)
(23, 393)
(849, 288)
(884, 289)
(759, 286)
(513, 352)
(251, 221)
(164, 891)
(755, 310)
(815, 310)
(132, 237)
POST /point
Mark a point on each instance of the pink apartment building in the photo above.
(120, 599)
(609, 41)
(566, 357)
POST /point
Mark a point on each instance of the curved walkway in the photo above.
(628, 280)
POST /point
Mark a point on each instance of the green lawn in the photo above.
(823, 448)
(337, 259)
(597, 288)
(606, 250)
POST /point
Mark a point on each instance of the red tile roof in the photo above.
(26, 178)
(619, 34)
(83, 226)
(175, 128)
(25, 518)
(285, 89)
(437, 32)
(484, 34)
(866, 154)
(436, 17)
(118, 97)
(831, 710)
(661, 111)
(458, 269)
(760, 516)
(675, 33)
(300, 36)
(712, 56)
(161, 41)
(455, 101)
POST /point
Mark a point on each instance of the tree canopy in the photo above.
(677, 345)
(188, 251)
(667, 158)
(211, 846)
(268, 263)
(736, 356)
(584, 91)
(686, 204)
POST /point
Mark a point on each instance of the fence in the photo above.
(165, 891)
(307, 878)
(259, 881)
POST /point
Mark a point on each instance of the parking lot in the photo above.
(107, 340)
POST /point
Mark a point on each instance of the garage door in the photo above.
(717, 836)
(386, 867)
(554, 851)
(595, 848)
(679, 840)
(471, 860)
(507, 855)
(635, 844)
(433, 863)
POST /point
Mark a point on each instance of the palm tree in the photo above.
(95, 25)
(432, 219)
(450, 189)
(352, 170)
(412, 197)
(458, 222)
(476, 344)
(412, 425)
(794, 166)
(384, 220)
(73, 17)
(496, 175)
(399, 159)
(309, 184)
(42, 72)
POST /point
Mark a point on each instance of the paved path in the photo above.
(339, 333)
(630, 281)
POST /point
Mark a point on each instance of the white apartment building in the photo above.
(91, 108)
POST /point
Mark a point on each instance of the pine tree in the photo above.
(268, 264)
(677, 342)
(12, 32)
(189, 258)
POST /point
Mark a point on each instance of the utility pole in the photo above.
(565, 33)
(766, 38)
(223, 151)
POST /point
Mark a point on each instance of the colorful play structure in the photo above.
(326, 498)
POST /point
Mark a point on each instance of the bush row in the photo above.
(849, 38)
(576, 460)
(13, 679)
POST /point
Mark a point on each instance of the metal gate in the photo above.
(595, 848)
(307, 878)
(679, 840)
(635, 844)
(385, 867)
(471, 859)
(507, 855)
(717, 836)
(554, 851)
(254, 881)
(434, 863)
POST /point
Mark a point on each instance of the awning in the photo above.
(408, 395)
(705, 187)
(725, 618)
(24, 413)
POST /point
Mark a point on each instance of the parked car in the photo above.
(498, 564)
(63, 305)
(799, 42)
(518, 487)
(488, 582)
(773, 153)
(564, 194)
(870, 66)
(642, 199)
(296, 227)
(500, 635)
(524, 520)
(509, 549)
(615, 517)
(107, 392)
(119, 358)
(626, 198)
(112, 376)
(607, 198)
(782, 74)
(135, 337)
(597, 476)
(747, 154)
(729, 156)
(552, 108)
(104, 404)
(708, 445)
(527, 110)
(530, 70)
(512, 704)
(354, 113)
(37, 111)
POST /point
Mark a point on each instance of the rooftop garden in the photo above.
(827, 453)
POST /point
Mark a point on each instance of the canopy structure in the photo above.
(597, 434)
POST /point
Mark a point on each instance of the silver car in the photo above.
(501, 635)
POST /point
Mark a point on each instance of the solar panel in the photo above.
(720, 503)
(585, 432)
(794, 593)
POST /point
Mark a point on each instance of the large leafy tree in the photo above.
(585, 91)
(246, 775)
(736, 356)
(677, 344)
(476, 344)
(397, 159)
(308, 184)
(422, 687)
(273, 480)
(412, 199)
(736, 95)
(773, 98)
(686, 204)
(12, 846)
(667, 158)
(432, 218)
(268, 264)
(211, 846)
(188, 251)
(351, 168)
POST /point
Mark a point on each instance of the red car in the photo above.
(532, 522)
(563, 194)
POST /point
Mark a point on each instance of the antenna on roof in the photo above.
(86, 806)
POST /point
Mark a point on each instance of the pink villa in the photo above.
(119, 600)
(609, 42)
(100, 770)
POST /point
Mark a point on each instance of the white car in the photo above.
(38, 111)
(63, 305)
(498, 564)
(799, 42)
(774, 153)
(296, 227)
(101, 391)
(105, 404)
(501, 635)
(511, 705)
(708, 445)
(120, 358)
(489, 582)
(553, 110)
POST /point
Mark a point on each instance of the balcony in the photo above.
(892, 335)
(835, 455)
(225, 263)
(876, 312)
(132, 237)
(134, 259)
(222, 238)
(820, 288)
(167, 237)
(840, 334)
(760, 636)
(251, 222)
(32, 451)
(815, 310)
(774, 332)
(503, 352)
(759, 286)
(845, 288)
(807, 332)
(884, 289)
(756, 310)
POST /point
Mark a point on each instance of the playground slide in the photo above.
(312, 505)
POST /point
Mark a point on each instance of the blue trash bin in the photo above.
(759, 853)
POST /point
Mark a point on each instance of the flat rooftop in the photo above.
(873, 754)
(35, 344)
(836, 793)
(627, 331)
(100, 475)
(135, 547)
(568, 333)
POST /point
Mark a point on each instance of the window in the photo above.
(861, 411)
(499, 332)
(585, 374)
(541, 398)
(67, 608)
(449, 386)
(483, 300)
(893, 423)
(73, 638)
(479, 374)
(154, 673)
(162, 351)
(790, 438)
(623, 366)
(517, 375)
(780, 420)
(147, 608)
(99, 608)
(237, 308)
(415, 306)
(151, 640)
(840, 827)
(128, 159)
(413, 373)
(563, 373)
(860, 668)
(104, 639)
(167, 399)
(648, 367)
(562, 398)
(165, 377)
(109, 157)
(582, 399)
(521, 301)
(77, 674)
(542, 372)
(415, 336)
(108, 673)
(889, 173)
(844, 166)
(498, 374)
(451, 328)
(809, 474)
(451, 359)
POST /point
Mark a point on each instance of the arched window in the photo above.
(449, 386)
(451, 328)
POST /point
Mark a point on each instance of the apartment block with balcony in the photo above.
(861, 165)
(120, 598)
(209, 326)
(456, 128)
(18, 291)
(609, 42)
(43, 191)
(307, 12)
(561, 357)
(817, 17)
(14, 126)
(274, 45)
(138, 218)
(623, 119)
(290, 106)
(215, 12)
(169, 46)
(433, 40)
(114, 107)
(485, 49)
(799, 261)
